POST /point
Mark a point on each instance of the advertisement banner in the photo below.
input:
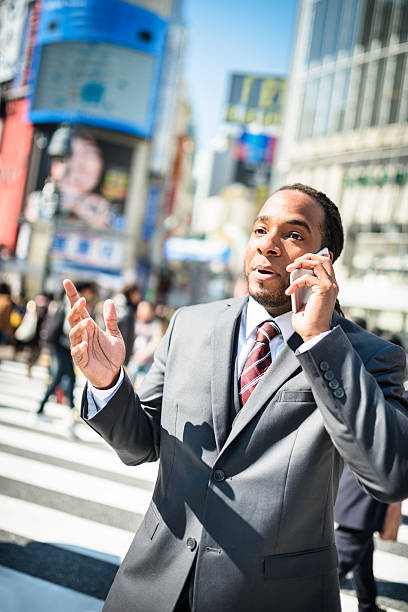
(88, 188)
(90, 68)
(15, 152)
(255, 99)
(73, 250)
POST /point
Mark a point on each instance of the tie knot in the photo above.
(266, 332)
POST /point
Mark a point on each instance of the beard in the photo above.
(270, 299)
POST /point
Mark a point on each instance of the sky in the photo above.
(223, 36)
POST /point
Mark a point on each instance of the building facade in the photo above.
(94, 90)
(346, 133)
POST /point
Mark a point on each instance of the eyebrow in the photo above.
(298, 222)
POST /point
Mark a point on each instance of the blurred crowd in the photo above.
(37, 330)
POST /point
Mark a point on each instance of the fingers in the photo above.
(77, 303)
(78, 333)
(71, 292)
(305, 280)
(321, 281)
(111, 318)
(77, 313)
(310, 261)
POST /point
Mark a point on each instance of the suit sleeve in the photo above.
(365, 410)
(130, 422)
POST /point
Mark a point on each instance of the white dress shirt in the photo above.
(253, 315)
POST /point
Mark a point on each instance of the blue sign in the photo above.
(97, 62)
(192, 249)
(152, 210)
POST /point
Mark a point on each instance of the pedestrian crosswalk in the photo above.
(69, 509)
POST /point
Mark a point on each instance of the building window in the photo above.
(348, 26)
(360, 96)
(382, 21)
(366, 23)
(402, 22)
(331, 30)
(309, 109)
(397, 88)
(318, 21)
(339, 100)
(323, 105)
(379, 82)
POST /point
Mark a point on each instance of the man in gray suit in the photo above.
(242, 513)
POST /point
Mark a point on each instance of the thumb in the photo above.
(111, 318)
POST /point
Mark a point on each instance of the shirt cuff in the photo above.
(100, 397)
(306, 346)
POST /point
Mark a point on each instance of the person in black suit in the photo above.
(359, 516)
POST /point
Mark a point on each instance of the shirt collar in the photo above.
(256, 314)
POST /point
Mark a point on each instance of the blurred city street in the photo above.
(170, 155)
(70, 507)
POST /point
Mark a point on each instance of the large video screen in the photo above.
(97, 81)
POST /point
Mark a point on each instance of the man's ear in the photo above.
(331, 256)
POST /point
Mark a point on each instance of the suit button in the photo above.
(333, 384)
(219, 475)
(323, 365)
(328, 375)
(339, 392)
(191, 543)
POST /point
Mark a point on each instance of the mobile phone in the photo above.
(301, 295)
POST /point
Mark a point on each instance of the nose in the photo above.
(268, 246)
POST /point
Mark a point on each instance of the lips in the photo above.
(265, 272)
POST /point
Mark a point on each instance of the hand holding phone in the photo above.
(302, 294)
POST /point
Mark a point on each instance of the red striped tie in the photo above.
(258, 360)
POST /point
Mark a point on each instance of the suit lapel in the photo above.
(223, 367)
(283, 367)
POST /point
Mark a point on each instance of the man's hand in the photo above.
(98, 354)
(315, 317)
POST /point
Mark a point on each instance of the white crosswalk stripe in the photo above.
(69, 500)
(74, 502)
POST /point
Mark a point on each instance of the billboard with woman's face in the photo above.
(92, 184)
(85, 194)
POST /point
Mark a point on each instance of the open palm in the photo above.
(98, 354)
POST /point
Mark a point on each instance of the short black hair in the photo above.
(333, 233)
(87, 285)
(4, 288)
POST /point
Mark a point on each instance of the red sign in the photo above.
(14, 157)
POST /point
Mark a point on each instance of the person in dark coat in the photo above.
(126, 316)
(359, 516)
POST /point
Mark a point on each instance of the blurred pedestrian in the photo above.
(163, 314)
(28, 334)
(6, 307)
(359, 516)
(148, 333)
(55, 333)
(126, 304)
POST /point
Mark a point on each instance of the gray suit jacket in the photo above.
(252, 502)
